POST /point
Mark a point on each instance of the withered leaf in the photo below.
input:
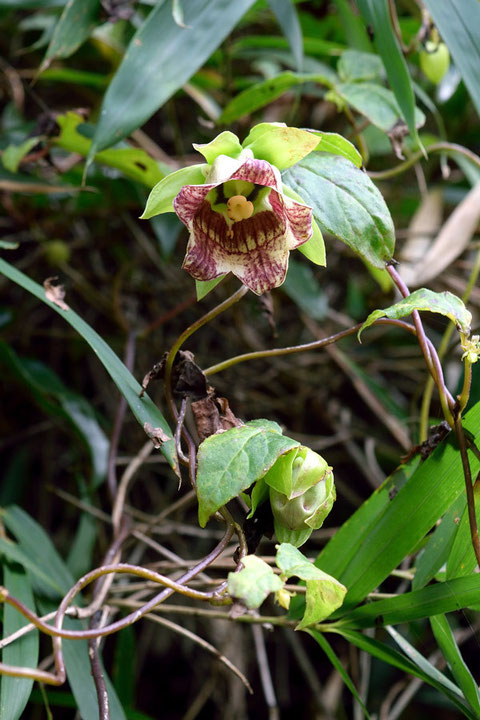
(212, 415)
(156, 435)
(55, 293)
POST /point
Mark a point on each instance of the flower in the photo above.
(241, 222)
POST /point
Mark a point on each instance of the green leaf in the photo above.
(203, 287)
(14, 154)
(135, 163)
(74, 26)
(161, 198)
(324, 594)
(377, 14)
(224, 144)
(280, 145)
(355, 66)
(437, 549)
(287, 17)
(376, 103)
(303, 288)
(254, 583)
(231, 461)
(164, 56)
(447, 644)
(56, 399)
(458, 22)
(143, 408)
(461, 560)
(443, 303)
(346, 204)
(336, 144)
(391, 523)
(14, 691)
(432, 600)
(389, 655)
(329, 652)
(267, 91)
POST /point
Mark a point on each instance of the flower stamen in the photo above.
(239, 208)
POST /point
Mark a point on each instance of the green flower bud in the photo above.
(302, 493)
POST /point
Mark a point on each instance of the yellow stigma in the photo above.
(239, 208)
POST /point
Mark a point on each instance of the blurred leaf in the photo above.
(458, 22)
(45, 385)
(34, 542)
(437, 549)
(461, 560)
(314, 46)
(14, 691)
(444, 303)
(125, 666)
(13, 154)
(432, 600)
(75, 77)
(165, 56)
(74, 26)
(447, 644)
(279, 145)
(354, 66)
(79, 559)
(337, 664)
(391, 523)
(231, 461)
(287, 17)
(254, 583)
(267, 91)
(143, 408)
(303, 288)
(389, 655)
(377, 14)
(376, 103)
(346, 204)
(161, 197)
(133, 162)
(353, 26)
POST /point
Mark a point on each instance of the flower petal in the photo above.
(188, 201)
(259, 172)
(298, 218)
(253, 249)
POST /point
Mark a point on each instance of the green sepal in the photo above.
(313, 249)
(203, 287)
(279, 145)
(161, 197)
(297, 538)
(444, 303)
(224, 144)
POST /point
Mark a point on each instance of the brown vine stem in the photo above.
(472, 518)
(451, 148)
(58, 678)
(315, 345)
(217, 310)
(429, 353)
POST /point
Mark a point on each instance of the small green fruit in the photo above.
(57, 252)
(434, 61)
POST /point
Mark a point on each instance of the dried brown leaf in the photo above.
(55, 293)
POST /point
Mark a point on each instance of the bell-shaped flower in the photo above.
(239, 215)
(241, 222)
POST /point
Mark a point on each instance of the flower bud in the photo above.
(302, 493)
